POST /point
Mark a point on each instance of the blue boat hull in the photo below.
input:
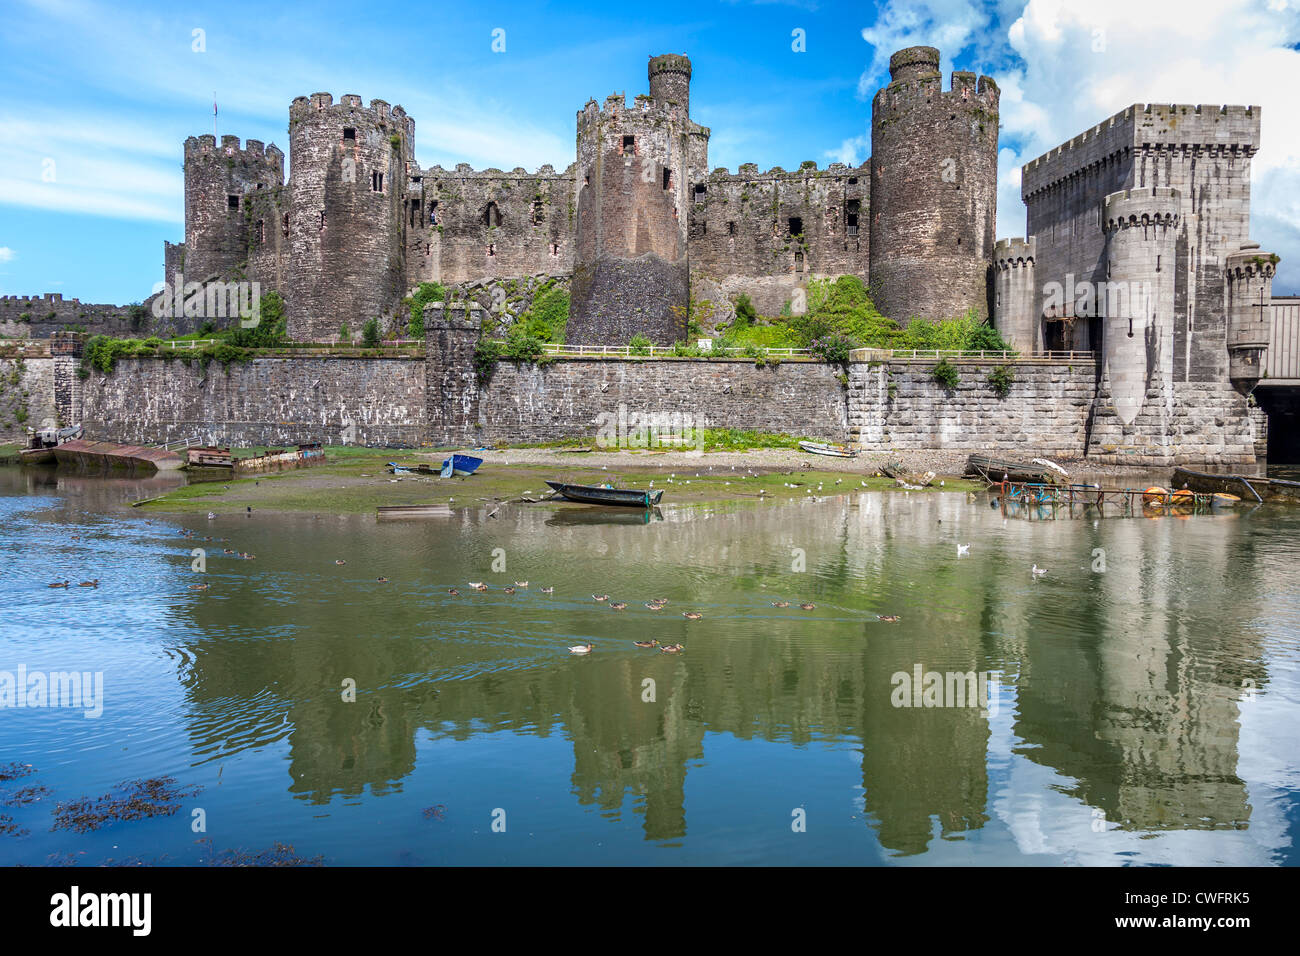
(461, 465)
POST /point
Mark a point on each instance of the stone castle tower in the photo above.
(1249, 274)
(1014, 293)
(348, 176)
(1141, 230)
(934, 162)
(225, 188)
(634, 172)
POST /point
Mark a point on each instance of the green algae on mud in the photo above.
(356, 481)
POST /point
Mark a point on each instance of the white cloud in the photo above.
(6, 254)
(853, 151)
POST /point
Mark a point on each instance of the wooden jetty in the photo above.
(1035, 499)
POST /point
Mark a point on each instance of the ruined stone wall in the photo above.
(268, 401)
(766, 234)
(933, 189)
(347, 226)
(464, 224)
(527, 403)
(26, 394)
(38, 316)
(897, 404)
(227, 192)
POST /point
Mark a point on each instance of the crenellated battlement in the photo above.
(379, 113)
(749, 172)
(1199, 129)
(1249, 263)
(1014, 253)
(254, 150)
(1131, 208)
(464, 171)
(915, 80)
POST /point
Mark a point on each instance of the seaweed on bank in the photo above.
(9, 828)
(280, 854)
(153, 797)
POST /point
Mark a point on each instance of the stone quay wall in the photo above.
(884, 403)
(897, 404)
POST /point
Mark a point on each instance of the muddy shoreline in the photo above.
(357, 481)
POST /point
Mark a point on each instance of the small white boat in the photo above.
(822, 448)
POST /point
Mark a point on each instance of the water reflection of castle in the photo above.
(1132, 693)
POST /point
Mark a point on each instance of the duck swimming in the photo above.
(548, 590)
(521, 584)
(510, 590)
(808, 607)
(655, 607)
(58, 584)
(671, 648)
(780, 604)
(452, 591)
(617, 606)
(89, 584)
(888, 618)
(476, 584)
(340, 562)
(381, 580)
(646, 643)
(198, 587)
(600, 597)
(692, 615)
(480, 587)
(581, 649)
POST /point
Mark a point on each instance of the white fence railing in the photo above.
(880, 355)
(651, 351)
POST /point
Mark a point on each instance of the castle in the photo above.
(638, 223)
(1142, 309)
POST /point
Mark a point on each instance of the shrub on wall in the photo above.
(945, 373)
(370, 334)
(486, 355)
(1001, 379)
(638, 345)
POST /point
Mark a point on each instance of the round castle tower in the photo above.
(635, 168)
(1249, 274)
(347, 171)
(1136, 299)
(934, 162)
(1014, 294)
(219, 183)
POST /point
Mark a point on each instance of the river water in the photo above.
(1141, 699)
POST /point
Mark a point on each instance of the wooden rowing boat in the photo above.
(998, 469)
(823, 448)
(602, 495)
(1247, 487)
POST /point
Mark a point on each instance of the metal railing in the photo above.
(1007, 355)
(652, 351)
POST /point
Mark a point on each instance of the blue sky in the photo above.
(99, 99)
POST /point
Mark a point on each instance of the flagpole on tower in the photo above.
(214, 114)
